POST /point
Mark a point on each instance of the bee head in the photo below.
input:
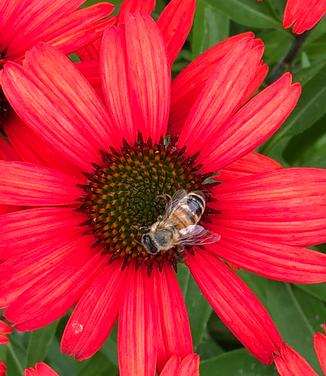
(149, 245)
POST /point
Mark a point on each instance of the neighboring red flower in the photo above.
(40, 369)
(289, 363)
(320, 348)
(176, 366)
(303, 14)
(4, 330)
(59, 22)
(78, 242)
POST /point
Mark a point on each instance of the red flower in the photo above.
(303, 14)
(176, 366)
(4, 329)
(41, 369)
(59, 22)
(320, 348)
(79, 242)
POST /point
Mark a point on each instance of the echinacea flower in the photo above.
(176, 366)
(303, 14)
(23, 23)
(78, 242)
(320, 348)
(4, 330)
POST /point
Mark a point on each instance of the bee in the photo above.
(179, 224)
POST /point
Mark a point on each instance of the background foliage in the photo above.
(298, 310)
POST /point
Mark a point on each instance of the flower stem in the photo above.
(15, 359)
(288, 59)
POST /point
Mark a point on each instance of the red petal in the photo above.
(22, 22)
(30, 148)
(29, 185)
(149, 76)
(220, 97)
(23, 231)
(136, 79)
(289, 363)
(3, 340)
(251, 125)
(41, 369)
(276, 205)
(144, 7)
(304, 14)
(72, 94)
(94, 315)
(7, 153)
(175, 23)
(176, 366)
(117, 93)
(5, 328)
(190, 82)
(79, 28)
(173, 323)
(3, 369)
(271, 260)
(54, 291)
(320, 348)
(236, 305)
(65, 112)
(21, 271)
(172, 367)
(190, 366)
(137, 341)
(252, 163)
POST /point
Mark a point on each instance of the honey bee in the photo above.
(178, 226)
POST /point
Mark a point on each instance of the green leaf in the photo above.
(63, 364)
(198, 309)
(98, 365)
(109, 349)
(248, 12)
(318, 291)
(310, 108)
(308, 148)
(235, 363)
(39, 344)
(277, 44)
(313, 308)
(210, 26)
(288, 313)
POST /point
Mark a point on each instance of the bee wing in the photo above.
(197, 235)
(176, 198)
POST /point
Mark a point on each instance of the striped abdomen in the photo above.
(188, 211)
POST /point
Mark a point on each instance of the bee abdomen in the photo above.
(196, 204)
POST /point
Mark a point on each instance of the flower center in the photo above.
(127, 193)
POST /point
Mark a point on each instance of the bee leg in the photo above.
(180, 248)
(165, 196)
